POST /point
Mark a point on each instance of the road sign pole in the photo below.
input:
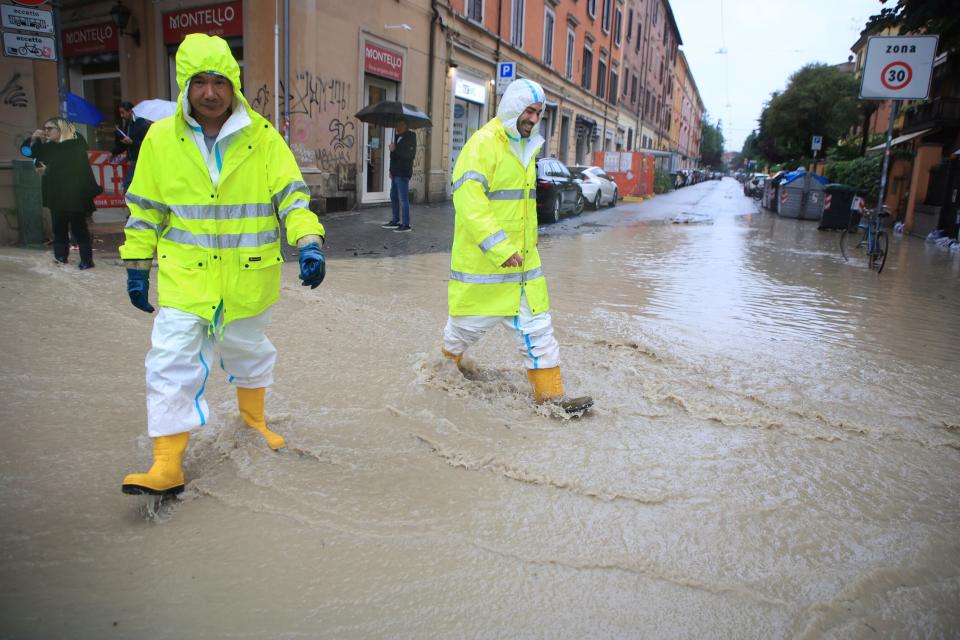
(886, 154)
(61, 63)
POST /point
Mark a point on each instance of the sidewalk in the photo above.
(349, 233)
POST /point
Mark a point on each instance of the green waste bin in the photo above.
(836, 207)
(26, 188)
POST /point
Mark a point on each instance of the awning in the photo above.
(900, 140)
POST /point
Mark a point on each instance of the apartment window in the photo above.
(633, 89)
(617, 26)
(548, 21)
(475, 10)
(661, 71)
(639, 31)
(586, 81)
(592, 8)
(629, 24)
(656, 11)
(605, 18)
(516, 24)
(571, 42)
(602, 76)
(614, 86)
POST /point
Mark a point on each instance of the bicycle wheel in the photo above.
(880, 257)
(850, 241)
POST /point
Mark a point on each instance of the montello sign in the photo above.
(224, 20)
(90, 39)
(382, 62)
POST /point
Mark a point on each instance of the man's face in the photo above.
(126, 114)
(210, 95)
(529, 118)
(401, 127)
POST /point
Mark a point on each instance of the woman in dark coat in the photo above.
(68, 186)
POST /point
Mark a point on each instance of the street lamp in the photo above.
(120, 15)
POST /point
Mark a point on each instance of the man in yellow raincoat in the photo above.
(214, 184)
(495, 271)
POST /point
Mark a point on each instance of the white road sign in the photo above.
(18, 45)
(506, 73)
(816, 143)
(898, 67)
(26, 19)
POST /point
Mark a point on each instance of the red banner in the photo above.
(109, 175)
(90, 39)
(382, 62)
(224, 20)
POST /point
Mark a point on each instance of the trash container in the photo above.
(26, 187)
(837, 201)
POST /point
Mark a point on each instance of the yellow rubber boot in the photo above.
(547, 387)
(251, 410)
(166, 475)
(456, 357)
(546, 383)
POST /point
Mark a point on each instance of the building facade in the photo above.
(608, 68)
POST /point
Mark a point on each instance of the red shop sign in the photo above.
(382, 62)
(224, 20)
(90, 39)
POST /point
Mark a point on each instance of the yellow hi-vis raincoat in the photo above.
(215, 229)
(494, 195)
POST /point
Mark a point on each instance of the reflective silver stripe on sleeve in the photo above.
(495, 239)
(532, 194)
(471, 175)
(222, 241)
(299, 203)
(222, 211)
(509, 194)
(146, 203)
(294, 186)
(141, 224)
(499, 278)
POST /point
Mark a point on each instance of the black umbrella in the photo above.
(388, 113)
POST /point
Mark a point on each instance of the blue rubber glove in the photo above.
(313, 266)
(138, 286)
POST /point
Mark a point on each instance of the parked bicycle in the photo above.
(867, 236)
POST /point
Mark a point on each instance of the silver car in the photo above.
(597, 186)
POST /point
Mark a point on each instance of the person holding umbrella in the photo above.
(403, 118)
(495, 271)
(403, 150)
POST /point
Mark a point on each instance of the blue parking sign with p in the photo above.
(506, 69)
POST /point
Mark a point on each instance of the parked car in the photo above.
(755, 185)
(557, 191)
(597, 186)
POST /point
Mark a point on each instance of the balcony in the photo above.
(939, 112)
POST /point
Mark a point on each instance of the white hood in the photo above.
(519, 95)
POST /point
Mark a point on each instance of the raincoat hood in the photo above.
(200, 53)
(519, 95)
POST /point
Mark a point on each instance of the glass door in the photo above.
(376, 165)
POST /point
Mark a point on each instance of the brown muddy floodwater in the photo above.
(775, 450)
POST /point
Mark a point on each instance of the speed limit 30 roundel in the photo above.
(896, 75)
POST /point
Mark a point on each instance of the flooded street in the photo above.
(774, 450)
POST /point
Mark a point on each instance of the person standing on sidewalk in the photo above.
(402, 152)
(67, 186)
(495, 271)
(213, 186)
(129, 137)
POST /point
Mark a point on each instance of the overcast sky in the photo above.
(766, 41)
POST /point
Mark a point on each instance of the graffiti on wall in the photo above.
(322, 131)
(419, 178)
(13, 93)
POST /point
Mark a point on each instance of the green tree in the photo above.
(819, 100)
(940, 17)
(711, 144)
